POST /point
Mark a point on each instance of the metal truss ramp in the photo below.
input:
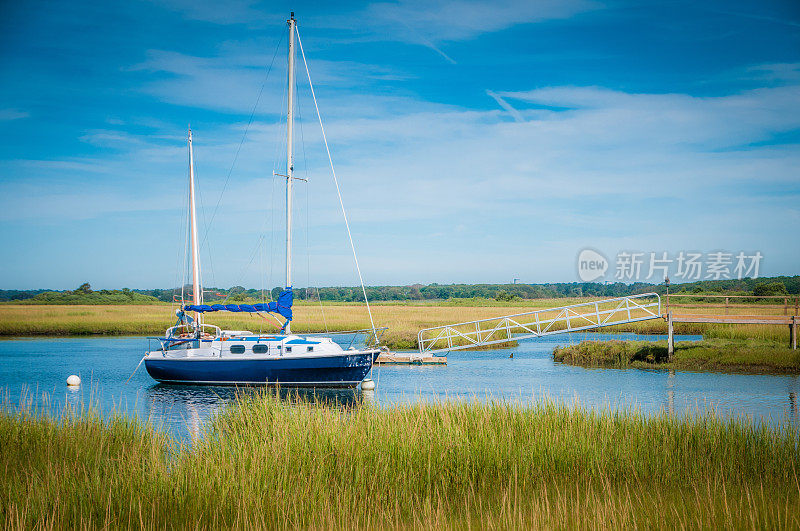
(550, 321)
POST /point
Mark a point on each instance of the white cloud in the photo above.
(609, 143)
(614, 168)
(426, 22)
(453, 20)
(249, 12)
(788, 72)
(231, 82)
(432, 23)
(12, 114)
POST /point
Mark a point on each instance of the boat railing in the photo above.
(347, 339)
(182, 334)
(189, 330)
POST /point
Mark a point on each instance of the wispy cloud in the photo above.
(455, 20)
(12, 114)
(626, 143)
(249, 12)
(432, 23)
(783, 72)
(231, 81)
(783, 21)
(472, 175)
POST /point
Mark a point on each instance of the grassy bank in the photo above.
(268, 464)
(752, 356)
(403, 320)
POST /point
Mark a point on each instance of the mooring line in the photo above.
(136, 369)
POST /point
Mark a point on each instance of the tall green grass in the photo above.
(713, 354)
(269, 463)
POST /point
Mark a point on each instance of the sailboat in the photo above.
(196, 352)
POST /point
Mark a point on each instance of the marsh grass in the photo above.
(271, 463)
(714, 354)
(403, 320)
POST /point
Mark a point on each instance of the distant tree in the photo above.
(769, 288)
(504, 296)
(236, 289)
(237, 297)
(84, 288)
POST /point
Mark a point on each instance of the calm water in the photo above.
(36, 370)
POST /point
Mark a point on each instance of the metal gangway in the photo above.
(539, 323)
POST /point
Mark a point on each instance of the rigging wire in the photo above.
(263, 240)
(308, 208)
(305, 174)
(241, 142)
(336, 182)
(233, 164)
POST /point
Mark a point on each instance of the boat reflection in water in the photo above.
(185, 409)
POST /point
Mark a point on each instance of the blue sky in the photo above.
(474, 141)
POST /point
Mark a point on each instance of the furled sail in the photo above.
(282, 306)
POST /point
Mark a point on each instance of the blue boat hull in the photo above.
(346, 370)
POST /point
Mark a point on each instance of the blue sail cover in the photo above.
(282, 306)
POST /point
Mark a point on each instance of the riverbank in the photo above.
(751, 356)
(403, 320)
(270, 464)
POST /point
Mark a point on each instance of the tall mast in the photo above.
(289, 159)
(197, 290)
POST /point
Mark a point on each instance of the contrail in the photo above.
(433, 47)
(425, 41)
(505, 105)
(752, 16)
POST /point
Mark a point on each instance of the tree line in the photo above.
(84, 294)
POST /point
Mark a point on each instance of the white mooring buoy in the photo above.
(368, 384)
(74, 380)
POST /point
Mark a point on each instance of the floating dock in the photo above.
(394, 358)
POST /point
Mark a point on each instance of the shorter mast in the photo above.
(197, 290)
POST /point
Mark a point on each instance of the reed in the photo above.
(271, 463)
(403, 320)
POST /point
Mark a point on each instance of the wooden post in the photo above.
(726, 305)
(670, 337)
(793, 333)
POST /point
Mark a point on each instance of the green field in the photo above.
(268, 463)
(403, 319)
